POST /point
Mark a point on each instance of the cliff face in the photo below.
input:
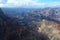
(52, 29)
(9, 28)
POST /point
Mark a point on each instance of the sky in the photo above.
(30, 3)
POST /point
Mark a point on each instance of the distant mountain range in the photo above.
(49, 13)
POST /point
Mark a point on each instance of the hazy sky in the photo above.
(29, 3)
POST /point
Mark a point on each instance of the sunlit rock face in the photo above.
(50, 28)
